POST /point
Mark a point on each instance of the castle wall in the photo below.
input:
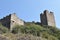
(43, 19)
(50, 19)
(5, 21)
(10, 21)
(47, 18)
(15, 21)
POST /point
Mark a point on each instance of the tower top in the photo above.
(46, 11)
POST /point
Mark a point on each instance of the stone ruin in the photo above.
(11, 20)
(47, 18)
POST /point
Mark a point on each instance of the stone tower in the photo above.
(47, 18)
(11, 20)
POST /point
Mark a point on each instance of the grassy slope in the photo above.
(48, 32)
(33, 31)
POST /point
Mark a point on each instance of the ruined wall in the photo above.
(50, 19)
(5, 21)
(15, 21)
(11, 20)
(43, 19)
(47, 18)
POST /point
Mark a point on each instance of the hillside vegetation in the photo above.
(31, 31)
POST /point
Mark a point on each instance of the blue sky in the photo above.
(29, 10)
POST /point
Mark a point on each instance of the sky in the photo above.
(29, 10)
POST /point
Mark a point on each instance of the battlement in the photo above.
(46, 11)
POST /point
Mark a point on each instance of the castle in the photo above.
(11, 20)
(47, 18)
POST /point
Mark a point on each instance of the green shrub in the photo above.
(3, 29)
(47, 32)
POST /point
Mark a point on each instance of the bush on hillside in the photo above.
(31, 29)
(37, 30)
(3, 29)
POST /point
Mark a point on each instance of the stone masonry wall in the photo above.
(50, 19)
(15, 21)
(11, 20)
(47, 18)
